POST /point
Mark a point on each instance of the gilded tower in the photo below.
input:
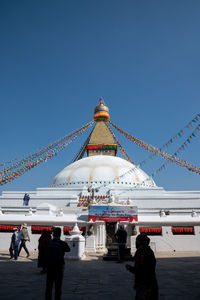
(101, 140)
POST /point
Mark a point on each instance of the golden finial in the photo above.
(101, 112)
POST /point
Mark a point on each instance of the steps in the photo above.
(113, 254)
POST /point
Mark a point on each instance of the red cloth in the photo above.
(182, 229)
(150, 230)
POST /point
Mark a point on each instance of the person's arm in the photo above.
(130, 268)
(28, 236)
(65, 247)
(13, 238)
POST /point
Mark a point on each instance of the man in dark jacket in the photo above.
(144, 269)
(121, 236)
(54, 262)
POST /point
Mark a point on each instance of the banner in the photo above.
(112, 213)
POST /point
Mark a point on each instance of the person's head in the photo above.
(142, 240)
(56, 232)
(24, 225)
(15, 229)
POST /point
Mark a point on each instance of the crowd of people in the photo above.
(51, 251)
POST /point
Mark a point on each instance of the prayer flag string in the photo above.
(186, 143)
(13, 173)
(126, 156)
(154, 150)
(43, 149)
(178, 135)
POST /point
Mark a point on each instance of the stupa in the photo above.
(98, 193)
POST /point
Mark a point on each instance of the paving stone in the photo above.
(95, 279)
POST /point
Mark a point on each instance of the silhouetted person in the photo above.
(55, 264)
(144, 269)
(42, 244)
(24, 238)
(15, 240)
(121, 236)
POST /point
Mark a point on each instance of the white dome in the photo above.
(102, 169)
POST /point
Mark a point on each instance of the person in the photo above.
(27, 199)
(24, 238)
(144, 269)
(121, 236)
(42, 244)
(24, 199)
(54, 262)
(15, 240)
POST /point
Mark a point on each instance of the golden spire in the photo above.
(101, 112)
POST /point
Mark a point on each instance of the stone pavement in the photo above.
(95, 279)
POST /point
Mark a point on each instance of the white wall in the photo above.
(167, 242)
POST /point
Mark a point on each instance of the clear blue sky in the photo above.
(58, 57)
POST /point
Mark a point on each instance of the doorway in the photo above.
(110, 233)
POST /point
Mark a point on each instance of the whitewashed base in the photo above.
(90, 244)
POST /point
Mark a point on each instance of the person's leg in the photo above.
(58, 283)
(20, 247)
(143, 293)
(118, 252)
(122, 250)
(154, 295)
(49, 284)
(25, 248)
(11, 251)
(16, 252)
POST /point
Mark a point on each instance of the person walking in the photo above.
(121, 236)
(54, 262)
(15, 240)
(144, 269)
(42, 244)
(24, 238)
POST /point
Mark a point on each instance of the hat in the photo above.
(15, 228)
(24, 225)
